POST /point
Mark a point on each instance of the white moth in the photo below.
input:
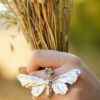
(59, 83)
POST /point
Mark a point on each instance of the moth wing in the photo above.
(37, 90)
(37, 84)
(70, 77)
(60, 88)
(28, 80)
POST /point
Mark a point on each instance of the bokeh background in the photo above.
(84, 41)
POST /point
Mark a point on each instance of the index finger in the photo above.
(47, 58)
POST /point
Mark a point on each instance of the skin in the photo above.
(87, 86)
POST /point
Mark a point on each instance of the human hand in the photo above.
(86, 88)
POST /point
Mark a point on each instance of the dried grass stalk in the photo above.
(45, 23)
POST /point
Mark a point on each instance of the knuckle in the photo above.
(35, 54)
(75, 59)
(35, 57)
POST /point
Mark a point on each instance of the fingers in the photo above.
(47, 58)
(57, 71)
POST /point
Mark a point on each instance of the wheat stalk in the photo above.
(44, 23)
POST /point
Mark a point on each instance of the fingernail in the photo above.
(22, 70)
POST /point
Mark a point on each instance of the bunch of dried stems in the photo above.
(44, 23)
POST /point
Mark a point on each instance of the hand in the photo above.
(86, 88)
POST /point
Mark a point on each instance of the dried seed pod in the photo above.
(41, 1)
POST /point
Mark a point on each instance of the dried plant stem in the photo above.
(44, 23)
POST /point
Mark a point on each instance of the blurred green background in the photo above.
(85, 32)
(84, 42)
